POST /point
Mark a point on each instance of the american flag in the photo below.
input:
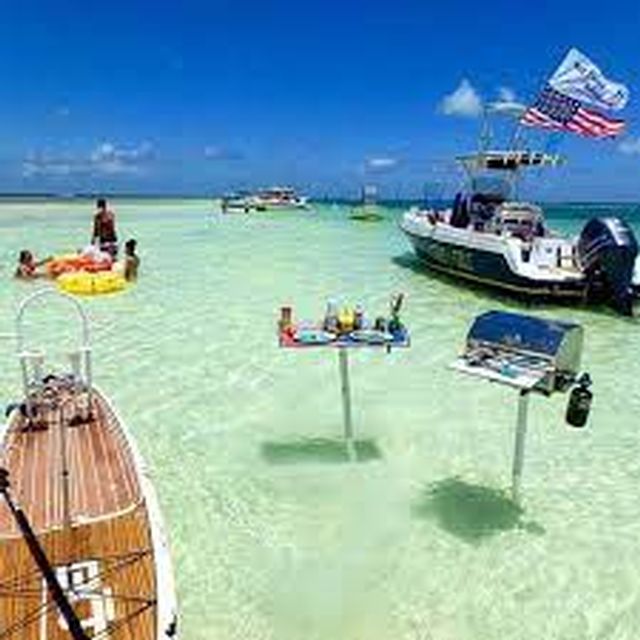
(554, 110)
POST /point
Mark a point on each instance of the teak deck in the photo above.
(94, 528)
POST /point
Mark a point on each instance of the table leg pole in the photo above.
(521, 433)
(346, 394)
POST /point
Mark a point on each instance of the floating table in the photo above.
(343, 344)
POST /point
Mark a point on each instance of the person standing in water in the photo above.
(131, 260)
(104, 229)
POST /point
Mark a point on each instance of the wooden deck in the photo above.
(94, 527)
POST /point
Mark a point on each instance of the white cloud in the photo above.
(381, 163)
(507, 103)
(464, 101)
(106, 159)
(506, 94)
(40, 166)
(109, 152)
(630, 146)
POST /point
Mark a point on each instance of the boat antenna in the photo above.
(485, 131)
(40, 558)
(517, 139)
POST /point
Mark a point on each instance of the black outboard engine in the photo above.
(607, 250)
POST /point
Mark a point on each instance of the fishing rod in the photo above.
(40, 558)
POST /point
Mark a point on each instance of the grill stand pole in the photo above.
(521, 434)
(346, 402)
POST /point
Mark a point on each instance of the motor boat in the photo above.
(279, 198)
(272, 199)
(237, 203)
(367, 209)
(490, 237)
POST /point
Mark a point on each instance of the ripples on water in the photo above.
(275, 536)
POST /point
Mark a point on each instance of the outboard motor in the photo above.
(607, 251)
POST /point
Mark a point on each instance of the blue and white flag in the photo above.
(578, 78)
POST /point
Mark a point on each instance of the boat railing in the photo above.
(32, 360)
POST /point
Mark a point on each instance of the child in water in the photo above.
(131, 260)
(28, 266)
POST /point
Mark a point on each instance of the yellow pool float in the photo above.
(84, 283)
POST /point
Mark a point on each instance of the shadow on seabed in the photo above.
(325, 450)
(471, 512)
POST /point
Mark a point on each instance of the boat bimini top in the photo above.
(508, 160)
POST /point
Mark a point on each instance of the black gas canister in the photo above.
(580, 402)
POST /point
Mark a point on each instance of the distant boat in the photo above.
(489, 237)
(79, 479)
(272, 199)
(241, 202)
(368, 209)
(276, 198)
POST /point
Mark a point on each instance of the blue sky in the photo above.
(208, 96)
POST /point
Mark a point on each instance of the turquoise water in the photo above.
(275, 534)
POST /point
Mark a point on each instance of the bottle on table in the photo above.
(331, 317)
(395, 326)
(380, 324)
(358, 318)
(285, 324)
(346, 320)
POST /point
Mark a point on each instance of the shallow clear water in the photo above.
(275, 534)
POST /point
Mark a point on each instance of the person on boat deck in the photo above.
(28, 265)
(104, 229)
(131, 260)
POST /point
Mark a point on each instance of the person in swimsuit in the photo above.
(28, 266)
(131, 260)
(104, 229)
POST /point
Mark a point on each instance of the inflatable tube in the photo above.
(71, 262)
(84, 283)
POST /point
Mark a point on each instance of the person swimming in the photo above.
(104, 229)
(28, 266)
(131, 260)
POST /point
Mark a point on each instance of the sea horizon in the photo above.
(25, 197)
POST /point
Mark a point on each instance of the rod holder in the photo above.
(32, 368)
(75, 361)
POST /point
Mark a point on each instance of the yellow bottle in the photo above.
(346, 319)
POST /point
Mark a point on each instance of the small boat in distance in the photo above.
(490, 237)
(240, 202)
(272, 199)
(277, 198)
(367, 210)
(88, 558)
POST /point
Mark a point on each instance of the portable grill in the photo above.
(532, 355)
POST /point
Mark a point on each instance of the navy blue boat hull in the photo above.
(488, 269)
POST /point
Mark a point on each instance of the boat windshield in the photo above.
(498, 187)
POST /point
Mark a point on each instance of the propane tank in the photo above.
(579, 402)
